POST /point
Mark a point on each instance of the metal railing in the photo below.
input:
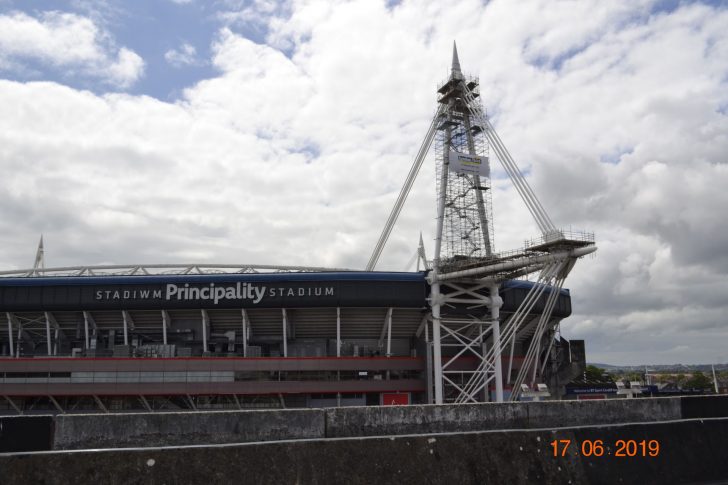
(163, 269)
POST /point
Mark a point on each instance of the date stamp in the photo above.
(620, 448)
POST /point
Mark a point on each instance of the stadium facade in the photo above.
(120, 343)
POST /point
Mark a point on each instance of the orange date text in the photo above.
(620, 448)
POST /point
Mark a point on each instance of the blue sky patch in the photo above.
(615, 156)
(173, 39)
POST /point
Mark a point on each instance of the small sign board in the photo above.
(469, 164)
(395, 398)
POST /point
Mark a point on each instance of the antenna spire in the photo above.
(39, 257)
(455, 60)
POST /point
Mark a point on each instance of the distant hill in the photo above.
(661, 367)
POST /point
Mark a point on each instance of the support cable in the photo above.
(524, 189)
(548, 350)
(535, 347)
(531, 357)
(404, 192)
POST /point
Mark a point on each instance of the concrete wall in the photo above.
(169, 429)
(387, 420)
(66, 432)
(690, 451)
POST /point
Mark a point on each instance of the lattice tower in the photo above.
(467, 229)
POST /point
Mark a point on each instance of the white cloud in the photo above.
(127, 67)
(617, 113)
(186, 55)
(255, 14)
(69, 42)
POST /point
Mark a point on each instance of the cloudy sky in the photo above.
(234, 131)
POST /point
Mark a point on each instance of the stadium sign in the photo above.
(591, 390)
(211, 293)
(465, 163)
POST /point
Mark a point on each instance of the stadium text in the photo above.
(240, 291)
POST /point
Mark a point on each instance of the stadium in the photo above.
(298, 339)
(470, 327)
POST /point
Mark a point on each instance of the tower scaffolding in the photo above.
(468, 213)
(466, 272)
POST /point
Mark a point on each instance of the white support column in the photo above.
(94, 328)
(389, 332)
(204, 333)
(125, 317)
(10, 333)
(495, 305)
(246, 322)
(338, 350)
(285, 333)
(17, 341)
(486, 391)
(435, 296)
(85, 329)
(436, 349)
(48, 332)
(51, 322)
(165, 326)
(510, 360)
(338, 332)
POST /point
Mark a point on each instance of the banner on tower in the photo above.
(469, 164)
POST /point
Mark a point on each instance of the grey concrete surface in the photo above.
(690, 451)
(67, 432)
(186, 428)
(373, 421)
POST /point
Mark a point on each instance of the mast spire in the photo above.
(456, 72)
(39, 257)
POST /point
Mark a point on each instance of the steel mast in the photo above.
(463, 237)
(466, 272)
